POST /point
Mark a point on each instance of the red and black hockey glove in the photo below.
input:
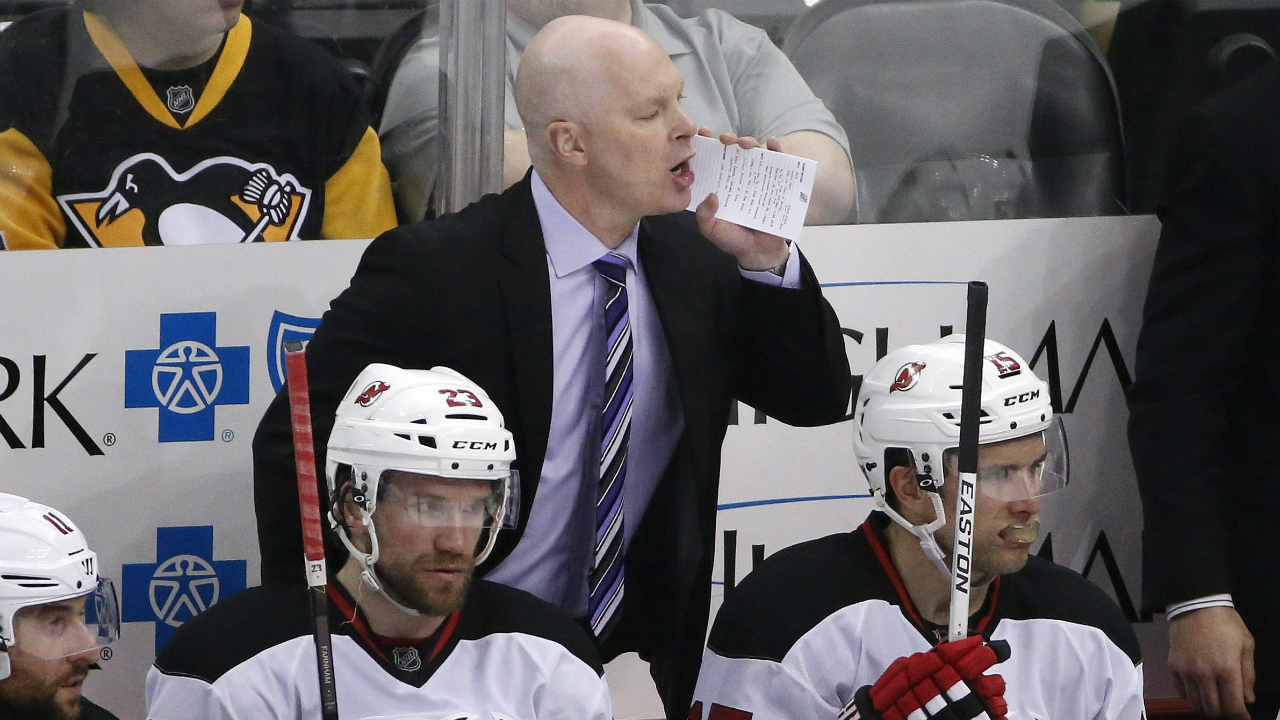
(945, 683)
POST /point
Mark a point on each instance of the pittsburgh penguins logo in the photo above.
(220, 200)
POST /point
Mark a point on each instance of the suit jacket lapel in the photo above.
(526, 300)
(687, 318)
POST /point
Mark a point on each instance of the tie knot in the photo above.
(613, 266)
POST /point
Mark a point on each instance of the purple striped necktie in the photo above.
(606, 582)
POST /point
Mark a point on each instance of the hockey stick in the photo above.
(975, 332)
(304, 454)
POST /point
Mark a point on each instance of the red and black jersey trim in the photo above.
(232, 632)
(795, 589)
(984, 617)
(434, 648)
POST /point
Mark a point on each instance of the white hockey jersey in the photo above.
(504, 656)
(819, 620)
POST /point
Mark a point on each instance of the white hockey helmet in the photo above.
(45, 559)
(910, 401)
(426, 422)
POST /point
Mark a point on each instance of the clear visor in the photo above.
(1027, 467)
(56, 630)
(439, 502)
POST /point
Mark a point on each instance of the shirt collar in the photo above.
(570, 246)
(520, 32)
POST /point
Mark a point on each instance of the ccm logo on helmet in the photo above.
(474, 445)
(907, 377)
(1021, 398)
(371, 393)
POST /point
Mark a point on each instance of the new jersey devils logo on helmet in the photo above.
(371, 393)
(907, 377)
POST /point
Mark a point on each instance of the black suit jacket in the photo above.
(1204, 422)
(471, 291)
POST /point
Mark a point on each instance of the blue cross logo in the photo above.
(187, 376)
(184, 581)
(285, 327)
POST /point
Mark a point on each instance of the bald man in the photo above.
(736, 79)
(601, 318)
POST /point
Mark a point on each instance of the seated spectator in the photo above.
(179, 122)
(47, 646)
(420, 491)
(809, 633)
(736, 81)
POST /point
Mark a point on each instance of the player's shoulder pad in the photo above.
(236, 629)
(1045, 590)
(493, 608)
(792, 591)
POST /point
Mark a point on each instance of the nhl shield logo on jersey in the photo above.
(181, 99)
(220, 200)
(407, 658)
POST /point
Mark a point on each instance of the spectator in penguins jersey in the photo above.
(419, 466)
(56, 614)
(179, 122)
(843, 626)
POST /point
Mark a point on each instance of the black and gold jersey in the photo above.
(273, 145)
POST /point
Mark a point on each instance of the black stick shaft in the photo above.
(324, 654)
(975, 333)
(966, 491)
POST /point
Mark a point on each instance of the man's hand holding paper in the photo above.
(749, 197)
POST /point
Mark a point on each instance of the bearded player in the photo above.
(852, 624)
(419, 472)
(56, 614)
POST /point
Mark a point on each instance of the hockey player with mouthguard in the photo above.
(419, 469)
(851, 625)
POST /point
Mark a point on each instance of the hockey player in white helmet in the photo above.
(852, 625)
(420, 479)
(56, 614)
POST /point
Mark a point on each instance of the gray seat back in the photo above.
(966, 109)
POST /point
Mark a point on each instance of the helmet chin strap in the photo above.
(368, 574)
(923, 533)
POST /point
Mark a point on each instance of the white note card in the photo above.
(758, 188)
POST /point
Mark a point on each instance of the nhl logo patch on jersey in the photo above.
(181, 99)
(407, 658)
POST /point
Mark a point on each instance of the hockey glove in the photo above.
(945, 683)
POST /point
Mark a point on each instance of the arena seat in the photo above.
(1169, 55)
(966, 109)
(392, 50)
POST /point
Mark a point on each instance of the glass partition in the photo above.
(916, 110)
